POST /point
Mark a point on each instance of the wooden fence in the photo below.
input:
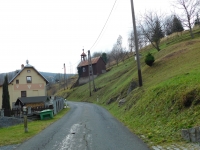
(57, 106)
(17, 112)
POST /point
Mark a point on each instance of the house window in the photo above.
(23, 93)
(28, 71)
(28, 79)
(17, 81)
(83, 69)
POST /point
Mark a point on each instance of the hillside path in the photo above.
(85, 127)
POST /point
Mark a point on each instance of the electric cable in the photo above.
(104, 24)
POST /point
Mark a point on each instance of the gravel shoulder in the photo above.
(10, 121)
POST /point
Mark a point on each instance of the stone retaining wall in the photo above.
(191, 135)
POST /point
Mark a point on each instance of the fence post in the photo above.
(2, 112)
(29, 110)
(54, 107)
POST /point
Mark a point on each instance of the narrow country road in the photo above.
(85, 127)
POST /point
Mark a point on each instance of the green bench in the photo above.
(47, 113)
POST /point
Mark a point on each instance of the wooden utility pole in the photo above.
(59, 81)
(136, 45)
(64, 75)
(89, 73)
(91, 70)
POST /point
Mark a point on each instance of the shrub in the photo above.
(149, 60)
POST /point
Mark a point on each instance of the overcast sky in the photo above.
(50, 33)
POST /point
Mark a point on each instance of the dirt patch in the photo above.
(191, 42)
(190, 97)
(175, 54)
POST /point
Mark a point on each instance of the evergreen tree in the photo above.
(149, 59)
(104, 56)
(197, 21)
(5, 95)
(157, 34)
(177, 25)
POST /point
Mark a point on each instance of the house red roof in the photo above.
(85, 63)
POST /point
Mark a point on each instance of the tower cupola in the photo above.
(83, 56)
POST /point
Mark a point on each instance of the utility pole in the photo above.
(89, 74)
(66, 78)
(89, 58)
(59, 81)
(136, 45)
(91, 70)
(64, 75)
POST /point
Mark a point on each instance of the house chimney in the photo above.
(22, 66)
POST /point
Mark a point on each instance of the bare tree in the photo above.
(190, 9)
(115, 53)
(142, 40)
(117, 50)
(124, 54)
(152, 28)
(109, 59)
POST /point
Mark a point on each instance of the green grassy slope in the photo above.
(169, 99)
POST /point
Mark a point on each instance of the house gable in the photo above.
(26, 69)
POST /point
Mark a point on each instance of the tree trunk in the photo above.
(191, 33)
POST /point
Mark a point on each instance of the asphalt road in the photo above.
(85, 127)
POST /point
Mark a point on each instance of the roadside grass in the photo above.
(163, 110)
(15, 134)
(167, 102)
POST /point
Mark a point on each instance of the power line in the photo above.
(104, 24)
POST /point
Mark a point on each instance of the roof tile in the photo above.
(85, 63)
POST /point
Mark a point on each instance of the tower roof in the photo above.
(83, 54)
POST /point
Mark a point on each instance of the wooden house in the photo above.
(98, 67)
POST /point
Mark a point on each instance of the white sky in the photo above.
(50, 33)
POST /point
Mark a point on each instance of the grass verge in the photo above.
(15, 134)
(169, 99)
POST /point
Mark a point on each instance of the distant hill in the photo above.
(51, 77)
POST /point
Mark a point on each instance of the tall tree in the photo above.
(157, 34)
(197, 20)
(177, 25)
(168, 25)
(104, 57)
(5, 95)
(117, 50)
(190, 9)
(173, 24)
(142, 41)
(115, 53)
(152, 28)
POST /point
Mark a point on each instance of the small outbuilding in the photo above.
(39, 101)
(98, 67)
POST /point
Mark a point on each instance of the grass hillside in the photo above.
(169, 99)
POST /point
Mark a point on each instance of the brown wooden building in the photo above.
(98, 66)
